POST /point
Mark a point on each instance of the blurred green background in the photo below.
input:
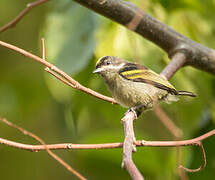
(75, 38)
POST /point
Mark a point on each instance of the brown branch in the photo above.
(203, 163)
(138, 143)
(56, 157)
(129, 146)
(177, 61)
(75, 84)
(22, 14)
(123, 12)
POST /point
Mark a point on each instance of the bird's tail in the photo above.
(186, 93)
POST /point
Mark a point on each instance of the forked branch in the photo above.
(61, 74)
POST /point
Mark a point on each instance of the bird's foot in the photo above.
(132, 110)
(137, 110)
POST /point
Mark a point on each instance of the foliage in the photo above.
(75, 39)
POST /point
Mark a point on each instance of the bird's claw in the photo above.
(132, 110)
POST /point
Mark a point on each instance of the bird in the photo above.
(135, 86)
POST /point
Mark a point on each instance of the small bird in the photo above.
(134, 86)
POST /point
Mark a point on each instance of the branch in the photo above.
(22, 14)
(203, 157)
(177, 61)
(129, 147)
(61, 74)
(123, 12)
(138, 143)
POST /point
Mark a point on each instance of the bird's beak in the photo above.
(98, 70)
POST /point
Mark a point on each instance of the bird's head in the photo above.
(109, 64)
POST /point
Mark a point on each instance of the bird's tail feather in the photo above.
(186, 93)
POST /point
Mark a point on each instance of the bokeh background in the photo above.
(75, 38)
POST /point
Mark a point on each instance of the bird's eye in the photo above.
(107, 63)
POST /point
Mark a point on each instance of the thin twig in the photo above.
(47, 69)
(22, 14)
(75, 83)
(203, 158)
(43, 49)
(57, 158)
(59, 77)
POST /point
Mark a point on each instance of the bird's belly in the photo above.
(131, 94)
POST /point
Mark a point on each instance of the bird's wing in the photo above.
(139, 73)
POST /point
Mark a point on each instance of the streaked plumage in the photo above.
(133, 85)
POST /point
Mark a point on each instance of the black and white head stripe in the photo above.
(106, 60)
(111, 62)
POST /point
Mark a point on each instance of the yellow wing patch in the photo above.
(146, 75)
(133, 72)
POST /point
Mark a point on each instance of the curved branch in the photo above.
(22, 14)
(124, 12)
(203, 163)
